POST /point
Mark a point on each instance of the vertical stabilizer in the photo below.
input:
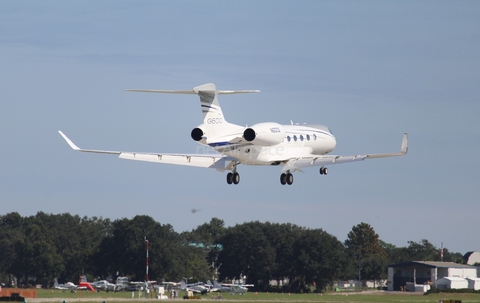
(213, 118)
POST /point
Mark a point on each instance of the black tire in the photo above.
(323, 170)
(289, 179)
(236, 178)
(229, 178)
(283, 179)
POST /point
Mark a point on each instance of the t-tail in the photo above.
(214, 123)
(213, 120)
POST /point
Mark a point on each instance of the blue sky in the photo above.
(368, 70)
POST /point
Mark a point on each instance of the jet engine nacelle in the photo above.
(198, 134)
(265, 134)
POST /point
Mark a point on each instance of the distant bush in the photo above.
(452, 291)
(196, 297)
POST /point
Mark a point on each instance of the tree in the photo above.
(283, 238)
(426, 251)
(320, 259)
(423, 251)
(124, 250)
(247, 252)
(10, 233)
(41, 247)
(363, 245)
(207, 233)
(37, 258)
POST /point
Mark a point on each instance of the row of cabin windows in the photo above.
(295, 138)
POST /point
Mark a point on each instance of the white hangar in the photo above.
(426, 273)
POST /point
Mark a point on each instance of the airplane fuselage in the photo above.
(298, 141)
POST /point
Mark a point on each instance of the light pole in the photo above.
(146, 274)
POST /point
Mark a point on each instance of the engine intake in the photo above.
(249, 134)
(265, 134)
(197, 134)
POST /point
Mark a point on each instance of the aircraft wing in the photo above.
(216, 161)
(299, 163)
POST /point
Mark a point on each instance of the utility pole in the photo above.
(146, 274)
(441, 253)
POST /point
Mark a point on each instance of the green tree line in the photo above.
(39, 248)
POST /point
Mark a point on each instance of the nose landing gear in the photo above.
(323, 170)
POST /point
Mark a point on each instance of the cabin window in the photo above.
(301, 137)
(314, 137)
(289, 139)
(295, 138)
(308, 137)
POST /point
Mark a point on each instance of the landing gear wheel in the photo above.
(236, 178)
(289, 179)
(323, 170)
(229, 178)
(283, 179)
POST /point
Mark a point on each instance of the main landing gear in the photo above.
(286, 178)
(233, 178)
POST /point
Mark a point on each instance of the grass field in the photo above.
(56, 296)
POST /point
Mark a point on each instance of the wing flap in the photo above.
(197, 160)
(298, 163)
(216, 161)
(293, 164)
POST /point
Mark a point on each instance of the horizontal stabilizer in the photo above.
(190, 92)
(209, 88)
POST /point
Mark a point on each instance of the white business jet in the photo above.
(292, 146)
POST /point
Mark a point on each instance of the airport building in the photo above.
(421, 275)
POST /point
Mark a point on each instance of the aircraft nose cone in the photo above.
(333, 144)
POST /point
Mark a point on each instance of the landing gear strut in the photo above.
(286, 178)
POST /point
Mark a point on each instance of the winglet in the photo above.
(404, 148)
(72, 145)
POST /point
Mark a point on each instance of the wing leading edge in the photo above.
(198, 160)
(299, 163)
